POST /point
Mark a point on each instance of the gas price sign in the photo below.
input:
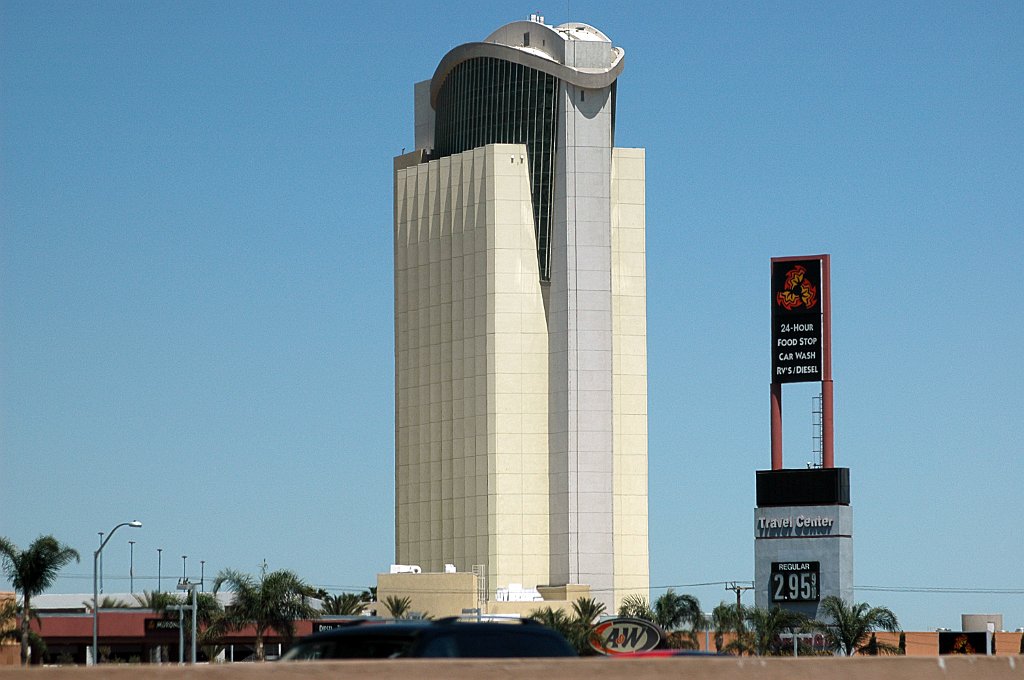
(795, 582)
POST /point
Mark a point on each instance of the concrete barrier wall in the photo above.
(749, 668)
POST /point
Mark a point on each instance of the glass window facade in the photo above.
(492, 101)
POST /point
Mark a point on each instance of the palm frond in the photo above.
(398, 607)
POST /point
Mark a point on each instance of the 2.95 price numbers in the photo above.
(794, 582)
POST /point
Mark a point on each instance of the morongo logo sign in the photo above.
(797, 290)
(625, 636)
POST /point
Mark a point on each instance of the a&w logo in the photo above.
(625, 636)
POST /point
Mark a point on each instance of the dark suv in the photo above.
(451, 637)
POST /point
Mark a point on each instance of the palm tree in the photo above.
(731, 618)
(158, 601)
(673, 610)
(398, 607)
(273, 602)
(587, 611)
(578, 628)
(556, 619)
(31, 572)
(108, 602)
(677, 614)
(210, 621)
(848, 625)
(681, 616)
(637, 607)
(343, 604)
(766, 625)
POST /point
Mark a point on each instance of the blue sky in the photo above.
(196, 277)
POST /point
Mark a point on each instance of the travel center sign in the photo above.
(808, 522)
(796, 321)
(801, 524)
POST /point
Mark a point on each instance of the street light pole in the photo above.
(131, 567)
(185, 584)
(159, 564)
(135, 524)
(101, 561)
(183, 558)
(202, 575)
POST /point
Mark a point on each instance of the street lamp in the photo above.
(135, 524)
(202, 575)
(159, 575)
(185, 584)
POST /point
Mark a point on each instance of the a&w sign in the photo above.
(625, 636)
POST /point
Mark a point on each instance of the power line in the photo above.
(883, 589)
(926, 589)
(676, 586)
(693, 585)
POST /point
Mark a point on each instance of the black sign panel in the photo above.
(161, 626)
(798, 486)
(795, 582)
(796, 321)
(319, 626)
(951, 642)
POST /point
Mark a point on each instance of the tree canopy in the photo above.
(677, 614)
(272, 602)
(576, 628)
(398, 607)
(32, 571)
(847, 626)
(343, 604)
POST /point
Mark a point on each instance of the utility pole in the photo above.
(131, 566)
(738, 587)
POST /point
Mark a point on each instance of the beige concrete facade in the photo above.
(629, 370)
(472, 369)
(447, 594)
(432, 595)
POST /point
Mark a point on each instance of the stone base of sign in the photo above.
(803, 549)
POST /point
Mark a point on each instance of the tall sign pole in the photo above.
(803, 522)
(827, 427)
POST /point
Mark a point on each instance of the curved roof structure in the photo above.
(541, 47)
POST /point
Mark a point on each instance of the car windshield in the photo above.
(350, 647)
(468, 643)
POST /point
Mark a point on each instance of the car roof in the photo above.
(358, 628)
(370, 627)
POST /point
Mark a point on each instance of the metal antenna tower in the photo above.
(817, 433)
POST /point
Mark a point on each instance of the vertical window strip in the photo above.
(488, 100)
